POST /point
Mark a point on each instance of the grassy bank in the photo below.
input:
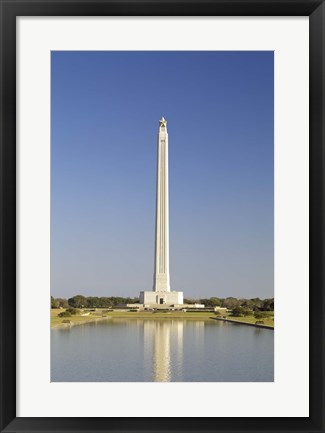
(268, 320)
(57, 321)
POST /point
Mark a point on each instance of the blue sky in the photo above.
(105, 111)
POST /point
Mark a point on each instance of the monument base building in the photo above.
(161, 298)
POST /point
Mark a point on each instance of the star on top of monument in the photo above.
(163, 121)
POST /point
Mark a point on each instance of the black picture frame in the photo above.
(10, 9)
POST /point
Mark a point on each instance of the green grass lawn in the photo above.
(117, 314)
(268, 321)
(162, 315)
(58, 321)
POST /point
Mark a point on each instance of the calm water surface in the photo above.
(144, 350)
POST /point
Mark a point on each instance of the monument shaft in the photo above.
(161, 272)
(161, 295)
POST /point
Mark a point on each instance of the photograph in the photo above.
(162, 184)
(162, 216)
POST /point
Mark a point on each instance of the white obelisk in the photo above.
(161, 293)
(161, 273)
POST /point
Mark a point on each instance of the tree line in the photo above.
(253, 304)
(80, 301)
(242, 305)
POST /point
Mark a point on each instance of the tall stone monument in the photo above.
(161, 293)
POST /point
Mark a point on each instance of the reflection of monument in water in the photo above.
(166, 345)
(161, 293)
(161, 364)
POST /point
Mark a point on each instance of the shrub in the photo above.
(73, 311)
(247, 312)
(259, 315)
(64, 314)
(237, 312)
